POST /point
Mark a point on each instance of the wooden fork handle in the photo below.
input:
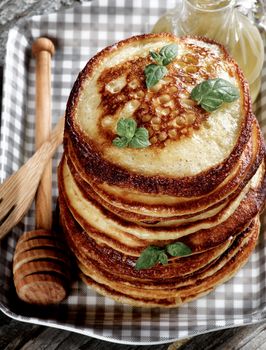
(43, 49)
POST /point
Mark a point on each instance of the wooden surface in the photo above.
(21, 336)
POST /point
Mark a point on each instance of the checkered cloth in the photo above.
(79, 33)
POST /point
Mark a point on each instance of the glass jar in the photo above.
(221, 21)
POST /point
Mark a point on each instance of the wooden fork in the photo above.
(18, 191)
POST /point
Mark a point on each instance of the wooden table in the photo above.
(16, 335)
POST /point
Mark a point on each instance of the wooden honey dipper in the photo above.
(41, 266)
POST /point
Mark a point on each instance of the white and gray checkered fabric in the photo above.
(79, 33)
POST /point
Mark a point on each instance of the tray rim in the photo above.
(89, 333)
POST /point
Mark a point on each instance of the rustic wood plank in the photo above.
(14, 334)
(241, 338)
(52, 339)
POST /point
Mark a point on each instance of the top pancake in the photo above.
(190, 147)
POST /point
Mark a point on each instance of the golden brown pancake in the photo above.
(181, 166)
(91, 215)
(81, 243)
(178, 208)
(177, 286)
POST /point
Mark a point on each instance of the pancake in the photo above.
(81, 243)
(161, 214)
(138, 302)
(125, 240)
(126, 207)
(86, 211)
(185, 289)
(193, 179)
(196, 156)
(169, 287)
(87, 248)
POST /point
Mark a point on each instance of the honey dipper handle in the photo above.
(43, 49)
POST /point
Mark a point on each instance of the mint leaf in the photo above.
(130, 135)
(120, 142)
(178, 249)
(154, 73)
(226, 89)
(168, 53)
(163, 259)
(140, 139)
(212, 93)
(148, 258)
(126, 127)
(157, 57)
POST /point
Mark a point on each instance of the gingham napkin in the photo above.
(79, 33)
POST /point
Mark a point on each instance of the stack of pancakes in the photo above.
(200, 182)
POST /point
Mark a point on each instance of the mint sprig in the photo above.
(153, 255)
(130, 135)
(148, 258)
(155, 72)
(140, 138)
(166, 55)
(178, 249)
(126, 127)
(212, 93)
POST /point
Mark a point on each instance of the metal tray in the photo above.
(79, 33)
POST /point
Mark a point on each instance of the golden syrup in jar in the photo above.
(221, 21)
